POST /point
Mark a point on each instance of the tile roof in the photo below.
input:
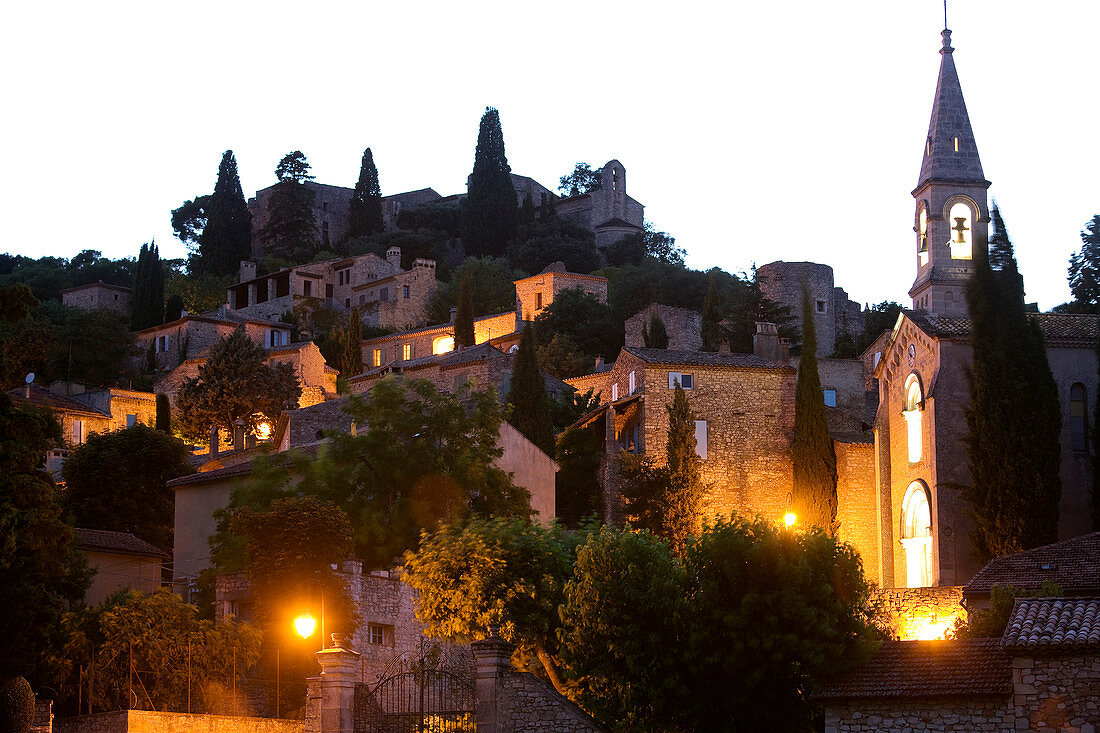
(1053, 624)
(910, 669)
(703, 358)
(1073, 564)
(1059, 329)
(45, 398)
(242, 469)
(122, 543)
(99, 284)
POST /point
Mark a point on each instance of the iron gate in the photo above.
(430, 691)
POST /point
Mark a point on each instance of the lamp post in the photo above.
(305, 624)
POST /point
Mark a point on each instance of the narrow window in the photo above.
(830, 397)
(78, 432)
(956, 145)
(631, 383)
(404, 291)
(928, 146)
(701, 438)
(347, 302)
(538, 301)
(324, 232)
(614, 392)
(378, 357)
(375, 634)
(916, 536)
(406, 351)
(913, 406)
(131, 420)
(307, 288)
(1078, 426)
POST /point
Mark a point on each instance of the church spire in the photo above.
(950, 152)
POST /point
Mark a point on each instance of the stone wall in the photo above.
(782, 282)
(330, 210)
(1057, 693)
(938, 714)
(684, 327)
(527, 703)
(535, 293)
(921, 613)
(99, 296)
(147, 721)
(857, 505)
(43, 716)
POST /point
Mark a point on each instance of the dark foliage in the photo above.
(528, 398)
(582, 180)
(558, 240)
(365, 208)
(48, 276)
(290, 233)
(1084, 270)
(16, 705)
(445, 218)
(655, 335)
(164, 414)
(148, 304)
(578, 494)
(173, 307)
(585, 320)
(491, 208)
(494, 292)
(991, 622)
(464, 312)
(226, 238)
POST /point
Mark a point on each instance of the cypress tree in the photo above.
(227, 237)
(365, 208)
(148, 304)
(464, 313)
(812, 451)
(527, 213)
(685, 489)
(164, 414)
(491, 207)
(1013, 420)
(656, 335)
(352, 363)
(528, 397)
(173, 307)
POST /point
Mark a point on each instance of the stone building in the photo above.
(190, 336)
(121, 561)
(609, 211)
(683, 326)
(923, 389)
(834, 313)
(386, 295)
(535, 293)
(1073, 565)
(100, 296)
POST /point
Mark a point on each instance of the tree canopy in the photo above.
(148, 304)
(492, 210)
(582, 180)
(585, 320)
(528, 398)
(290, 232)
(1084, 269)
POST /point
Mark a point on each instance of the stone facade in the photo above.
(834, 313)
(684, 327)
(535, 293)
(100, 296)
(1057, 692)
(609, 212)
(188, 337)
(938, 714)
(150, 721)
(921, 613)
(398, 301)
(83, 412)
(501, 330)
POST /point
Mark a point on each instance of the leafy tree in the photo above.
(16, 705)
(989, 622)
(528, 398)
(655, 335)
(527, 211)
(148, 304)
(164, 414)
(226, 239)
(1013, 420)
(464, 314)
(235, 384)
(812, 451)
(712, 316)
(1084, 268)
(365, 208)
(495, 291)
(438, 217)
(173, 307)
(562, 358)
(291, 229)
(559, 240)
(509, 573)
(91, 347)
(747, 305)
(189, 220)
(41, 572)
(199, 293)
(342, 345)
(582, 180)
(585, 320)
(577, 488)
(876, 319)
(16, 302)
(491, 208)
(666, 498)
(117, 481)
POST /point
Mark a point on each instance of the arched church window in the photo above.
(922, 236)
(916, 536)
(914, 406)
(961, 222)
(1078, 417)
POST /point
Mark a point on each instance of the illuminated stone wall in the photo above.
(970, 714)
(921, 613)
(1057, 693)
(147, 721)
(684, 327)
(548, 285)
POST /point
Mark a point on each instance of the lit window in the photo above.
(1078, 427)
(962, 240)
(922, 231)
(956, 145)
(701, 438)
(631, 383)
(131, 420)
(614, 392)
(443, 344)
(830, 397)
(375, 634)
(914, 399)
(378, 357)
(687, 381)
(406, 351)
(916, 536)
(78, 432)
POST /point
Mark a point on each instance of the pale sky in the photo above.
(751, 132)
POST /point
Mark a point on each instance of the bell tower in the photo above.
(951, 216)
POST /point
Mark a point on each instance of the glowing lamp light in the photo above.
(305, 625)
(263, 430)
(789, 519)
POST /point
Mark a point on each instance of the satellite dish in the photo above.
(30, 377)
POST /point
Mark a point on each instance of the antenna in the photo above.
(945, 14)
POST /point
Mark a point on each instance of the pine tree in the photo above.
(812, 452)
(148, 303)
(656, 335)
(528, 397)
(1013, 420)
(365, 208)
(712, 315)
(291, 229)
(227, 237)
(491, 207)
(464, 313)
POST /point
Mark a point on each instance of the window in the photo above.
(961, 242)
(404, 291)
(116, 296)
(131, 421)
(1078, 427)
(821, 306)
(375, 634)
(687, 381)
(701, 438)
(377, 359)
(914, 404)
(460, 381)
(922, 236)
(78, 432)
(347, 302)
(385, 294)
(162, 344)
(324, 206)
(830, 397)
(956, 145)
(406, 351)
(538, 301)
(443, 344)
(631, 383)
(307, 288)
(614, 392)
(916, 536)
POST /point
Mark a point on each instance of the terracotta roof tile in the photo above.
(911, 669)
(1059, 329)
(1073, 564)
(118, 542)
(45, 398)
(1053, 624)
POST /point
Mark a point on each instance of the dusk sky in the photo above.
(751, 132)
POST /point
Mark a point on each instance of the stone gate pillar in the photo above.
(339, 666)
(492, 660)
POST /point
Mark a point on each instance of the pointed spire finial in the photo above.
(946, 41)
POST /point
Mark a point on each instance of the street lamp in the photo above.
(305, 625)
(789, 517)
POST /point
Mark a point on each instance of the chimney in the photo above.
(765, 342)
(248, 271)
(215, 440)
(724, 348)
(393, 256)
(238, 435)
(784, 351)
(599, 363)
(454, 311)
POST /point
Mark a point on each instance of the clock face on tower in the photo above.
(912, 354)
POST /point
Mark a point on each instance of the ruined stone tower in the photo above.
(951, 216)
